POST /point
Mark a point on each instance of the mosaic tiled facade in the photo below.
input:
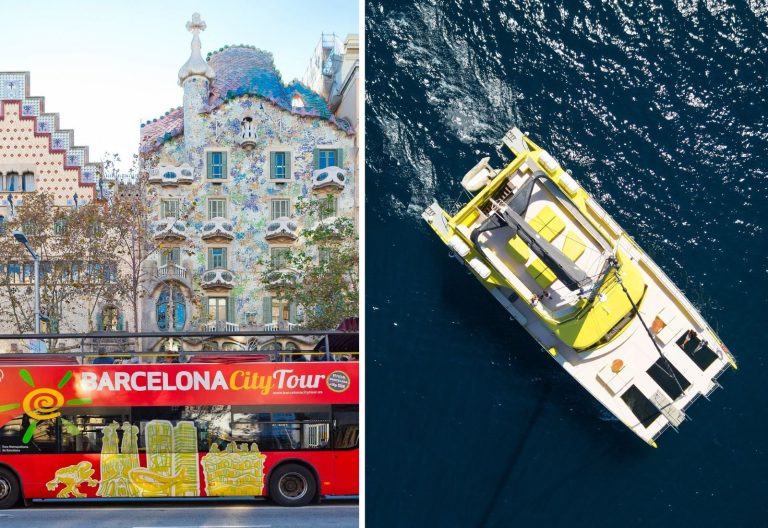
(225, 172)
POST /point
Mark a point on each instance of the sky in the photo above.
(107, 66)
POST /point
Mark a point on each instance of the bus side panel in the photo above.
(69, 475)
(347, 471)
(78, 475)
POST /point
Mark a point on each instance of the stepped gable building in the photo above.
(36, 155)
(225, 171)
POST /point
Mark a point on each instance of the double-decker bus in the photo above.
(236, 427)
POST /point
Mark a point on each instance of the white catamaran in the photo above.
(583, 289)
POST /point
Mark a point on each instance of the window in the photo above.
(217, 208)
(174, 316)
(328, 207)
(280, 257)
(346, 431)
(95, 432)
(217, 258)
(325, 256)
(218, 307)
(169, 209)
(43, 438)
(327, 158)
(2, 225)
(12, 182)
(59, 226)
(277, 310)
(217, 165)
(297, 102)
(28, 182)
(281, 208)
(170, 256)
(280, 165)
(110, 319)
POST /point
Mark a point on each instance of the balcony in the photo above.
(170, 176)
(329, 226)
(170, 228)
(281, 326)
(218, 227)
(248, 137)
(218, 278)
(282, 228)
(329, 177)
(220, 326)
(172, 271)
(281, 278)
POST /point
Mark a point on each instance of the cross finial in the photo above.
(196, 25)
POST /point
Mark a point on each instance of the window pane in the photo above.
(28, 183)
(280, 257)
(279, 159)
(12, 182)
(217, 258)
(93, 432)
(217, 308)
(43, 439)
(216, 208)
(280, 208)
(216, 167)
(327, 158)
(170, 208)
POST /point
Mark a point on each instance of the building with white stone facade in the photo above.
(225, 173)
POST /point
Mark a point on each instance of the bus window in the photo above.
(346, 427)
(282, 428)
(43, 439)
(212, 423)
(94, 432)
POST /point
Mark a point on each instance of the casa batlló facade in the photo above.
(225, 172)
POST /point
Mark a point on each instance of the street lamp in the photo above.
(22, 238)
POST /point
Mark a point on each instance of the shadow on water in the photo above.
(515, 455)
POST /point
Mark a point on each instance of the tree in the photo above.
(130, 224)
(131, 209)
(323, 277)
(76, 263)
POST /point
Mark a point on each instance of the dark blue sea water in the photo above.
(659, 109)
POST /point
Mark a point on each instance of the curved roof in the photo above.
(242, 70)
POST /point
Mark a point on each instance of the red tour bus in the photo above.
(288, 431)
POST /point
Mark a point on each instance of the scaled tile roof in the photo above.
(157, 131)
(242, 70)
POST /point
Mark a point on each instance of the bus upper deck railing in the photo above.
(180, 347)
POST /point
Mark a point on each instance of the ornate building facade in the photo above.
(37, 156)
(225, 172)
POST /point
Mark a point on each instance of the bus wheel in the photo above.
(9, 489)
(292, 485)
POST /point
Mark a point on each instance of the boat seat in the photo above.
(518, 249)
(547, 223)
(574, 246)
(543, 276)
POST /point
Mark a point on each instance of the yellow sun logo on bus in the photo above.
(44, 403)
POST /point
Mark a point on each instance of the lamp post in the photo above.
(22, 238)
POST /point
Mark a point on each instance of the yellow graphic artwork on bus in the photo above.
(72, 477)
(234, 471)
(172, 468)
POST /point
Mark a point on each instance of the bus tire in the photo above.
(292, 485)
(10, 490)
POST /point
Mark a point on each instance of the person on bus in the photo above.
(103, 358)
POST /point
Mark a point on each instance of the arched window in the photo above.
(28, 182)
(297, 102)
(12, 182)
(167, 315)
